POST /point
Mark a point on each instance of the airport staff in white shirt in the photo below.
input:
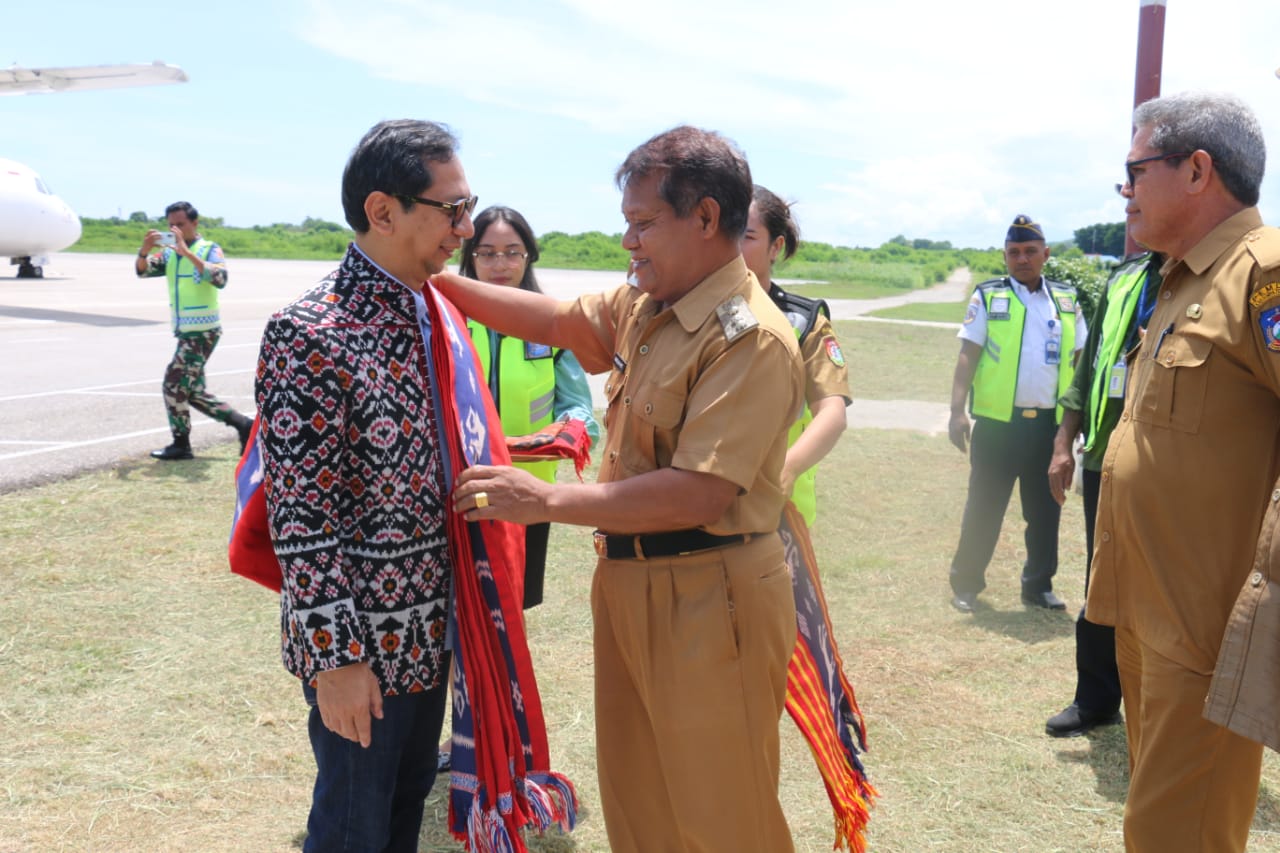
(1018, 345)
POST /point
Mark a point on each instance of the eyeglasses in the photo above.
(490, 257)
(456, 209)
(1132, 178)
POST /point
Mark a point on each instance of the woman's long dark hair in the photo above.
(487, 217)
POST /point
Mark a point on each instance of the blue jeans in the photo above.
(371, 800)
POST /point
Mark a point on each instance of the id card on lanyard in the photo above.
(1115, 384)
(1053, 344)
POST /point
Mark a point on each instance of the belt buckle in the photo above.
(1030, 413)
(601, 543)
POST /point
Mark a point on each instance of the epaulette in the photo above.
(1003, 281)
(735, 317)
(801, 311)
(1264, 244)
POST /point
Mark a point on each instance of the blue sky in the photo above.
(931, 119)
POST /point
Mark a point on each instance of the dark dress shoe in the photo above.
(1072, 722)
(174, 451)
(965, 602)
(1047, 600)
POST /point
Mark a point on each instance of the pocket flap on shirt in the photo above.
(1184, 351)
(658, 406)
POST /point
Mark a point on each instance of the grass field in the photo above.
(145, 709)
(939, 312)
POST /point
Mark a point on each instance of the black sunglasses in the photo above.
(1128, 167)
(456, 209)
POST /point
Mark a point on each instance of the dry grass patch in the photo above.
(145, 708)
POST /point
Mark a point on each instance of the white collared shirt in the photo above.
(1037, 377)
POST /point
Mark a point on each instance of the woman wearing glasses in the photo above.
(532, 384)
(771, 231)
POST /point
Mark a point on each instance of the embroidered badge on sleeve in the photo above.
(833, 351)
(1269, 320)
(1265, 294)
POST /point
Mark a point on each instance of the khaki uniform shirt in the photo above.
(1244, 695)
(709, 383)
(1189, 469)
(825, 372)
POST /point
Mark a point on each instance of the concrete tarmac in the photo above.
(83, 351)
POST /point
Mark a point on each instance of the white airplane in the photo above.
(33, 221)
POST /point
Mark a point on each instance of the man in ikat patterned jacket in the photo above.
(356, 489)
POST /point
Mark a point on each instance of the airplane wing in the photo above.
(30, 81)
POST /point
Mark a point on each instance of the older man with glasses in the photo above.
(1188, 474)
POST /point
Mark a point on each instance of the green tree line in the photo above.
(1104, 238)
(899, 263)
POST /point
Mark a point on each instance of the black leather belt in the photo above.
(1033, 413)
(645, 546)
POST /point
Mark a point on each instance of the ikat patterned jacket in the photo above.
(355, 485)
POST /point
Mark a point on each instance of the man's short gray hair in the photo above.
(1219, 123)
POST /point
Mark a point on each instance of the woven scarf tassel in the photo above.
(552, 800)
(487, 831)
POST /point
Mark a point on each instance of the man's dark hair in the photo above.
(183, 207)
(1215, 122)
(776, 216)
(392, 158)
(520, 225)
(692, 164)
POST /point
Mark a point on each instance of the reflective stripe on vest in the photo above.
(523, 387)
(1122, 303)
(995, 382)
(193, 302)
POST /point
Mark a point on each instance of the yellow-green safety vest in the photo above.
(193, 299)
(522, 378)
(801, 312)
(1122, 302)
(995, 382)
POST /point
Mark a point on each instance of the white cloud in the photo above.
(940, 119)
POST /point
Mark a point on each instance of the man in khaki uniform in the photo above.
(694, 619)
(1190, 467)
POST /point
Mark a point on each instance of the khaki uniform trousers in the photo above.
(690, 678)
(1193, 785)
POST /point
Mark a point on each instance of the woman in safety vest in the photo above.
(771, 231)
(533, 385)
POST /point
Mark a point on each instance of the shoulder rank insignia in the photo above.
(735, 318)
(1264, 244)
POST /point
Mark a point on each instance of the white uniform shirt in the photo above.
(1037, 376)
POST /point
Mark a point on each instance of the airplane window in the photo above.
(40, 185)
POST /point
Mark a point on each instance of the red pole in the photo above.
(1146, 82)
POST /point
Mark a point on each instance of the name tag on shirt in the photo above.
(533, 351)
(999, 308)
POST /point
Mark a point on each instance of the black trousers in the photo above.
(999, 454)
(1097, 676)
(536, 537)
